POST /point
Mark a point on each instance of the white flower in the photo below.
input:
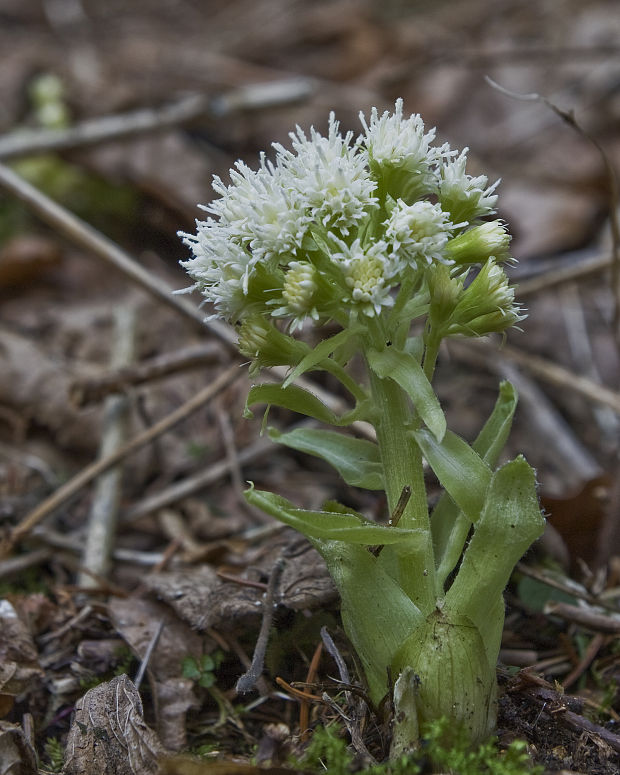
(418, 232)
(328, 178)
(220, 268)
(259, 210)
(368, 272)
(397, 143)
(466, 198)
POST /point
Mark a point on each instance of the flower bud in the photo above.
(267, 346)
(299, 287)
(487, 305)
(444, 291)
(477, 245)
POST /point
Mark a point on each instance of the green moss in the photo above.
(329, 753)
(54, 755)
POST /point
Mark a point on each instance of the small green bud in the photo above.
(267, 346)
(445, 292)
(299, 287)
(487, 305)
(477, 245)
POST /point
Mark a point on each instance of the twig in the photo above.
(147, 654)
(304, 705)
(557, 706)
(248, 680)
(588, 657)
(585, 617)
(12, 566)
(186, 110)
(562, 274)
(192, 484)
(104, 510)
(90, 239)
(553, 373)
(89, 473)
(91, 390)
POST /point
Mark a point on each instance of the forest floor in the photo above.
(116, 398)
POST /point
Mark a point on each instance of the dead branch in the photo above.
(91, 390)
(186, 110)
(104, 509)
(84, 477)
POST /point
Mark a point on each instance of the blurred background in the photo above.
(257, 69)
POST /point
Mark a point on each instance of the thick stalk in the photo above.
(402, 466)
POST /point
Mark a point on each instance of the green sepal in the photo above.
(333, 525)
(376, 614)
(510, 522)
(298, 400)
(449, 524)
(405, 370)
(356, 460)
(461, 471)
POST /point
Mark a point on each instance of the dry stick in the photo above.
(97, 556)
(565, 274)
(248, 680)
(192, 484)
(253, 97)
(99, 466)
(148, 654)
(91, 390)
(93, 241)
(595, 645)
(585, 617)
(549, 372)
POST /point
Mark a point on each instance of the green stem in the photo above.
(430, 355)
(402, 466)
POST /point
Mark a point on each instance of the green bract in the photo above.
(374, 234)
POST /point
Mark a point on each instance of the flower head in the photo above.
(334, 227)
(477, 245)
(419, 232)
(328, 179)
(466, 198)
(401, 153)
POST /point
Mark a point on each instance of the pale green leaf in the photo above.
(332, 525)
(405, 370)
(510, 522)
(377, 615)
(461, 471)
(296, 399)
(356, 460)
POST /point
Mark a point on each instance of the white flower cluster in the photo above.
(332, 227)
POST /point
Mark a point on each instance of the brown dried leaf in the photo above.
(17, 757)
(204, 600)
(137, 621)
(19, 665)
(109, 735)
